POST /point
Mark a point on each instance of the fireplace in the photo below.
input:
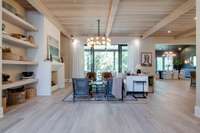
(52, 76)
(54, 80)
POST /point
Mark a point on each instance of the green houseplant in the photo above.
(178, 64)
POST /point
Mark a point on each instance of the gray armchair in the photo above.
(80, 88)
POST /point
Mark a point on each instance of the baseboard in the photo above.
(197, 111)
(1, 112)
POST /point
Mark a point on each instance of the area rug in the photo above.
(100, 98)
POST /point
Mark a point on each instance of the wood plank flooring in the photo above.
(169, 110)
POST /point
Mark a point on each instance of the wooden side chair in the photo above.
(91, 76)
(106, 75)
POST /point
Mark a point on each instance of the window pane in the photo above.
(168, 63)
(194, 61)
(124, 59)
(87, 60)
(106, 59)
(159, 63)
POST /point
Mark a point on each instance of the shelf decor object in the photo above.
(18, 51)
(11, 40)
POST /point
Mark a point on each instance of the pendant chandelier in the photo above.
(98, 40)
(169, 54)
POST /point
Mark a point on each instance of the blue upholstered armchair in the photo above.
(80, 87)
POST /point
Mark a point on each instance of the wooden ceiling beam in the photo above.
(188, 33)
(37, 4)
(111, 17)
(184, 8)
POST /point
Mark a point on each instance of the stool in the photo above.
(139, 82)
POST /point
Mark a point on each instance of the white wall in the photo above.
(77, 58)
(197, 107)
(73, 53)
(45, 28)
(146, 45)
(1, 109)
(50, 30)
(43, 71)
(66, 53)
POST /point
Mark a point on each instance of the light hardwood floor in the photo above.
(169, 110)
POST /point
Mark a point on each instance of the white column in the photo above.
(197, 107)
(1, 109)
(133, 54)
(77, 59)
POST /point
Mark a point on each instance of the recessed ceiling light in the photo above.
(195, 18)
(74, 41)
(179, 49)
(137, 42)
(169, 31)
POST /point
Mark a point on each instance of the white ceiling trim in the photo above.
(114, 4)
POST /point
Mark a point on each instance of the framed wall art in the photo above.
(146, 59)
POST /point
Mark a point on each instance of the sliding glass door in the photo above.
(123, 58)
(111, 59)
(164, 63)
(106, 61)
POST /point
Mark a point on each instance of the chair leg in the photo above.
(134, 97)
(133, 92)
(64, 98)
(122, 93)
(73, 98)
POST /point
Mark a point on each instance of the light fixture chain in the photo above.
(98, 27)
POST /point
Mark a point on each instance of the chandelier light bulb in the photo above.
(98, 40)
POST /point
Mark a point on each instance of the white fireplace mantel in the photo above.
(44, 75)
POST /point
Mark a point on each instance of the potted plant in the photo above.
(138, 69)
(177, 64)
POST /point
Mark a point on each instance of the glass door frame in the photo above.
(120, 50)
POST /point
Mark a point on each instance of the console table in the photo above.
(138, 87)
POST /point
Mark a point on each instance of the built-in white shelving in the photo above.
(18, 83)
(14, 41)
(12, 18)
(13, 62)
(19, 25)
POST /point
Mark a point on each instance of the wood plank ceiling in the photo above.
(80, 16)
(133, 17)
(183, 24)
